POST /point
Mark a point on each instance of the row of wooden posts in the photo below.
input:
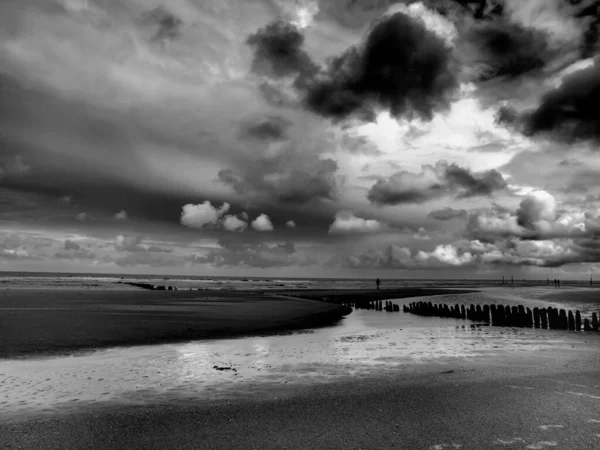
(508, 316)
(377, 305)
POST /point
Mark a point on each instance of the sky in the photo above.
(305, 138)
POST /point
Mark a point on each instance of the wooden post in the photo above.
(494, 313)
(486, 313)
(522, 317)
(536, 317)
(463, 313)
(514, 313)
(552, 322)
(571, 321)
(501, 315)
(594, 322)
(479, 313)
(472, 312)
(508, 316)
(563, 322)
(544, 318)
(577, 321)
(529, 318)
(586, 325)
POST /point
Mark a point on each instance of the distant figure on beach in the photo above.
(377, 282)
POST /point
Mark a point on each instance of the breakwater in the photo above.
(509, 316)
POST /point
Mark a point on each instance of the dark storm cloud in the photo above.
(590, 15)
(448, 214)
(567, 113)
(471, 184)
(401, 67)
(278, 51)
(270, 128)
(285, 183)
(507, 49)
(434, 182)
(166, 24)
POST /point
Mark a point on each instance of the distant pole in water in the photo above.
(377, 282)
(512, 281)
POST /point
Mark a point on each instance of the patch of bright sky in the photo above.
(448, 136)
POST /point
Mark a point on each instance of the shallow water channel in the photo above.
(363, 343)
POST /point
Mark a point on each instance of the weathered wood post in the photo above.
(472, 312)
(595, 322)
(501, 315)
(395, 307)
(571, 321)
(522, 318)
(536, 317)
(586, 325)
(529, 317)
(552, 322)
(508, 316)
(446, 311)
(563, 322)
(577, 321)
(463, 313)
(514, 313)
(486, 313)
(494, 313)
(479, 313)
(544, 318)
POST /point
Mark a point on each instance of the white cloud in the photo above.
(65, 199)
(347, 222)
(447, 254)
(82, 216)
(121, 215)
(536, 207)
(198, 216)
(129, 243)
(232, 223)
(262, 223)
(290, 224)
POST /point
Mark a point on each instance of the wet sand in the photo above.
(60, 321)
(535, 395)
(546, 401)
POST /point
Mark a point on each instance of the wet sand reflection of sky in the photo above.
(364, 343)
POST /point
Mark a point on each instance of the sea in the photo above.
(63, 279)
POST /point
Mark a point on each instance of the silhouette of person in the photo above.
(377, 282)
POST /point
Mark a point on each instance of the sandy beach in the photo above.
(127, 369)
(549, 401)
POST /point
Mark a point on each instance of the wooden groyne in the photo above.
(508, 316)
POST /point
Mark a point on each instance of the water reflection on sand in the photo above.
(364, 343)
